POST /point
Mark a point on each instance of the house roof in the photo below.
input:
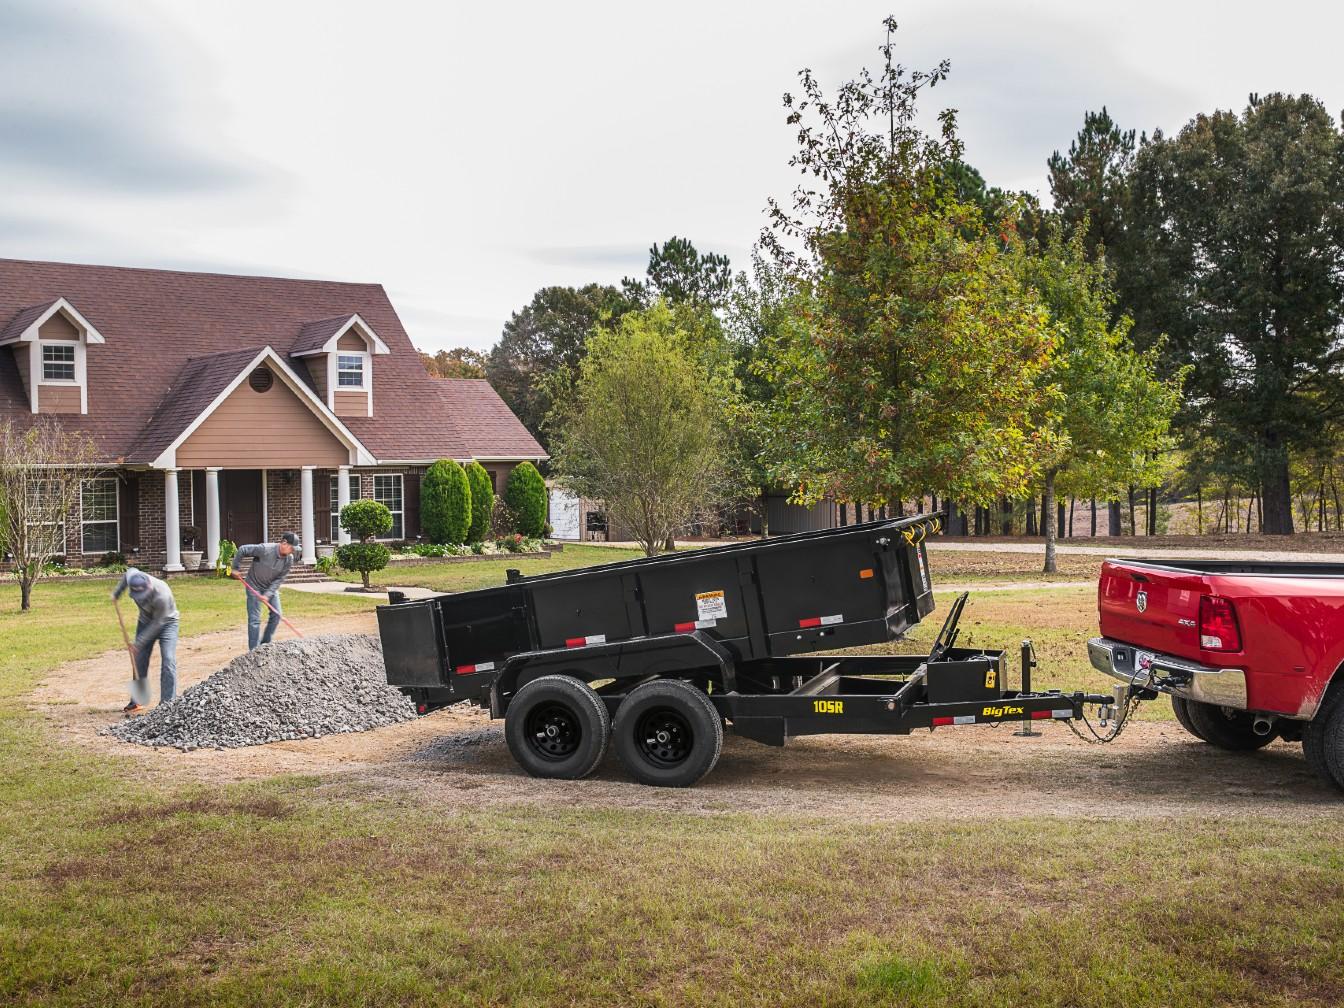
(20, 323)
(156, 323)
(485, 422)
(313, 337)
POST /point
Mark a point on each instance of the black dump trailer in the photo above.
(656, 655)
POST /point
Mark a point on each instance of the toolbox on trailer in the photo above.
(654, 655)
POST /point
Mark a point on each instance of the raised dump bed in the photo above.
(655, 655)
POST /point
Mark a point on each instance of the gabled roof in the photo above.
(321, 337)
(23, 327)
(156, 321)
(486, 424)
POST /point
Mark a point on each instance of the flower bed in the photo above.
(505, 546)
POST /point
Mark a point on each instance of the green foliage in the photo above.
(1090, 185)
(913, 358)
(445, 503)
(645, 430)
(680, 274)
(227, 551)
(363, 557)
(327, 565)
(525, 494)
(366, 519)
(482, 502)
(459, 362)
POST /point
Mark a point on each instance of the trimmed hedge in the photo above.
(525, 493)
(482, 502)
(445, 503)
(363, 557)
(366, 519)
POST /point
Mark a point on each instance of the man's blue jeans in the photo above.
(255, 635)
(167, 640)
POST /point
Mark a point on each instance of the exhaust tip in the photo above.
(1262, 725)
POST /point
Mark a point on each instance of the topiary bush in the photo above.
(482, 502)
(364, 557)
(525, 493)
(445, 503)
(366, 519)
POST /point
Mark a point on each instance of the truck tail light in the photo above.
(1218, 630)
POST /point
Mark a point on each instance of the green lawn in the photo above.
(117, 891)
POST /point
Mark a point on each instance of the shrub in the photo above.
(364, 557)
(525, 493)
(445, 503)
(482, 502)
(227, 551)
(327, 565)
(502, 522)
(112, 559)
(366, 519)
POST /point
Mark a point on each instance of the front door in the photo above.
(240, 506)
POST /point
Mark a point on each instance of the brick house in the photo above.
(235, 407)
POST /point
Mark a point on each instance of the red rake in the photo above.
(272, 608)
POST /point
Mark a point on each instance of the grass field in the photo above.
(117, 889)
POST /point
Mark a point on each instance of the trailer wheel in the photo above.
(1180, 706)
(668, 733)
(557, 727)
(1226, 729)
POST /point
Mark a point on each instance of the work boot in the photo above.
(132, 708)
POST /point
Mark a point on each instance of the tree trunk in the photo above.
(25, 593)
(765, 517)
(1073, 505)
(1061, 530)
(1133, 528)
(1277, 509)
(1031, 517)
(1048, 521)
(1152, 511)
(1006, 510)
(950, 525)
(1199, 509)
(1094, 517)
(1112, 518)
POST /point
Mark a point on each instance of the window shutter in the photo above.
(411, 503)
(128, 510)
(322, 504)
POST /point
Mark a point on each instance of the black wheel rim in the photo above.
(664, 737)
(553, 731)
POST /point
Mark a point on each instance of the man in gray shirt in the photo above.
(271, 564)
(158, 622)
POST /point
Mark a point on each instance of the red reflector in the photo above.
(684, 627)
(421, 708)
(810, 622)
(1218, 630)
(942, 721)
(1036, 715)
(866, 573)
(575, 641)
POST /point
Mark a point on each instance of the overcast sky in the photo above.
(466, 155)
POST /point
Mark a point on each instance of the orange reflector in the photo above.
(866, 573)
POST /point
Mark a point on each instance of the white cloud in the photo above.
(465, 157)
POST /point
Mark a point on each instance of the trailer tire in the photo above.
(668, 733)
(1181, 708)
(1230, 730)
(557, 727)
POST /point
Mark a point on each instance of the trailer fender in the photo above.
(641, 658)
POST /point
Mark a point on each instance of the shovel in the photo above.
(269, 606)
(139, 686)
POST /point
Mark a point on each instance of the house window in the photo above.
(58, 363)
(46, 527)
(387, 490)
(336, 502)
(98, 515)
(350, 371)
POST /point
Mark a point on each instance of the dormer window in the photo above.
(50, 343)
(350, 369)
(58, 362)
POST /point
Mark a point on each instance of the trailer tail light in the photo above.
(1218, 630)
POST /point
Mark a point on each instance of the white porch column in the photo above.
(211, 516)
(172, 529)
(342, 499)
(306, 516)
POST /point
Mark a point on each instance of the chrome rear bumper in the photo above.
(1225, 687)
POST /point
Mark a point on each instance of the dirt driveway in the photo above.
(458, 759)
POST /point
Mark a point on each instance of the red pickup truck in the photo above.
(1248, 652)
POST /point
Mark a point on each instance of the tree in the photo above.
(42, 473)
(1090, 186)
(482, 502)
(679, 274)
(525, 495)
(548, 334)
(365, 520)
(1238, 223)
(459, 362)
(914, 362)
(1106, 412)
(445, 503)
(645, 428)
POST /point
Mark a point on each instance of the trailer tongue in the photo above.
(653, 656)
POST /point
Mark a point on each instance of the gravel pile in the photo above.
(285, 690)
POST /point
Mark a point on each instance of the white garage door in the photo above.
(564, 515)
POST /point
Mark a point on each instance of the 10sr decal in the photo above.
(828, 706)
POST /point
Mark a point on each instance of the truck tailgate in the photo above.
(1151, 608)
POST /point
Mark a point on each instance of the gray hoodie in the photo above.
(269, 569)
(156, 603)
